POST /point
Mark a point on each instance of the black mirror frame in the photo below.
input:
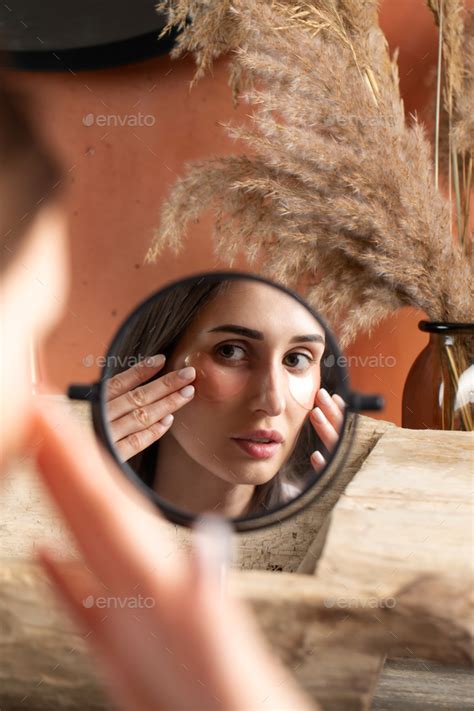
(356, 402)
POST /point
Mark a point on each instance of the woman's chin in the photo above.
(253, 473)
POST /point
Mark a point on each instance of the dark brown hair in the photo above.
(28, 173)
(157, 329)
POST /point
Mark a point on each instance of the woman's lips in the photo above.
(257, 450)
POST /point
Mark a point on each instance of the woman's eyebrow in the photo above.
(312, 337)
(258, 335)
(240, 330)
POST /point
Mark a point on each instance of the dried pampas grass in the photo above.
(336, 191)
(463, 129)
(454, 122)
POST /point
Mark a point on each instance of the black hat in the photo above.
(60, 35)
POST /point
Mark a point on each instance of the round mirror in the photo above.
(225, 393)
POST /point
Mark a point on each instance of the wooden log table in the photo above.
(367, 595)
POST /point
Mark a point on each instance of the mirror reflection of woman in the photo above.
(250, 425)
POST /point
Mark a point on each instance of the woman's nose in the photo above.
(272, 391)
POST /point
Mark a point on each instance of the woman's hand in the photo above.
(185, 647)
(140, 414)
(327, 418)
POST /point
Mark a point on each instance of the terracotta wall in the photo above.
(119, 175)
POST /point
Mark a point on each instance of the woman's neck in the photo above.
(186, 484)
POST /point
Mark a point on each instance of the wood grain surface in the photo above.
(384, 570)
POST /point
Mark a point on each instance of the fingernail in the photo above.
(318, 415)
(338, 399)
(324, 396)
(188, 391)
(318, 457)
(167, 420)
(154, 361)
(187, 373)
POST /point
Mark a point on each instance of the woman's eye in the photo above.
(229, 351)
(299, 361)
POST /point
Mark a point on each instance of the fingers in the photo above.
(331, 408)
(101, 506)
(134, 376)
(145, 417)
(142, 415)
(339, 402)
(324, 428)
(318, 461)
(140, 397)
(138, 441)
(327, 419)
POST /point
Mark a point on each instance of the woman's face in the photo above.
(257, 355)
